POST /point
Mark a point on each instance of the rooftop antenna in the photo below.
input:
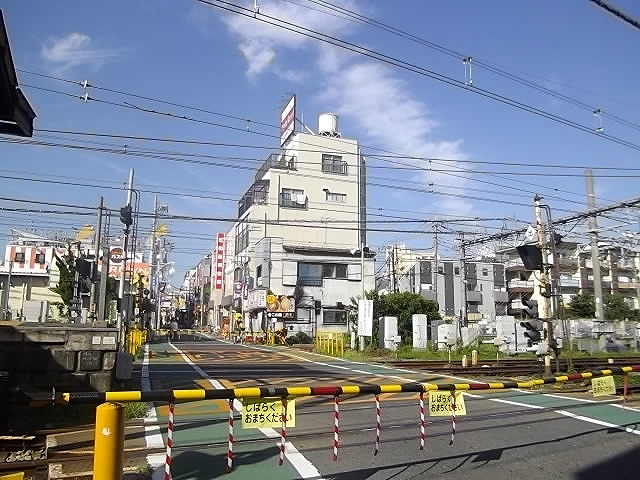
(256, 8)
(301, 122)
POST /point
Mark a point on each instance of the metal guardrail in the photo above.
(330, 343)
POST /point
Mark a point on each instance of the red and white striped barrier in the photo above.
(230, 438)
(336, 427)
(453, 417)
(170, 427)
(422, 429)
(378, 424)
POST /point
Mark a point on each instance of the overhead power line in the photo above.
(561, 221)
(616, 12)
(477, 62)
(394, 61)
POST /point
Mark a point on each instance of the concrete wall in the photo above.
(47, 355)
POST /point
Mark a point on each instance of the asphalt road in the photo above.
(504, 434)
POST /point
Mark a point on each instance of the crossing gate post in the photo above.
(109, 442)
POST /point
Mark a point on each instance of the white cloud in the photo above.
(73, 50)
(260, 42)
(370, 96)
(374, 98)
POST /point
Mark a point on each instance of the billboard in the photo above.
(219, 262)
(288, 121)
(281, 306)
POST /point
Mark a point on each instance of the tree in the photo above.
(615, 308)
(582, 306)
(401, 305)
(67, 269)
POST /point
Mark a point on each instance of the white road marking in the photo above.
(304, 467)
(598, 422)
(152, 436)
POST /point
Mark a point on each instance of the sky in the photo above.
(444, 139)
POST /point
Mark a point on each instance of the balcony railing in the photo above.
(520, 284)
(279, 161)
(258, 194)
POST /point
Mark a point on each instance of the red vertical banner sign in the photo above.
(219, 262)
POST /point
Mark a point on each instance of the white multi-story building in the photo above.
(28, 272)
(300, 235)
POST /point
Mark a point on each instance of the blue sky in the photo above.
(188, 53)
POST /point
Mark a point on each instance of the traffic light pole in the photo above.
(545, 284)
(122, 313)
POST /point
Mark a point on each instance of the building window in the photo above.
(333, 164)
(312, 274)
(19, 258)
(485, 272)
(293, 198)
(456, 270)
(40, 258)
(334, 316)
(242, 237)
(336, 197)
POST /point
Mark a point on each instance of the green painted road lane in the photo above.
(601, 411)
(201, 432)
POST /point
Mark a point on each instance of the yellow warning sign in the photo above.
(267, 413)
(441, 403)
(603, 386)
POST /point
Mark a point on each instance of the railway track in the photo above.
(510, 366)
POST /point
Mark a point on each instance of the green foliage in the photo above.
(299, 337)
(582, 306)
(136, 409)
(402, 305)
(615, 308)
(64, 288)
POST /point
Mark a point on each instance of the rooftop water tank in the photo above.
(328, 125)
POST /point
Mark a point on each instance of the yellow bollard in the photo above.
(109, 442)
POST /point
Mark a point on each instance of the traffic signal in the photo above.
(531, 256)
(126, 215)
(532, 308)
(532, 331)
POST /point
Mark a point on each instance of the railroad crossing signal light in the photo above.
(126, 215)
(532, 331)
(532, 307)
(531, 256)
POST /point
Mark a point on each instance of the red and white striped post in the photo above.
(170, 427)
(283, 431)
(422, 429)
(230, 438)
(336, 427)
(378, 424)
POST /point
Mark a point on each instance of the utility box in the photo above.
(447, 335)
(419, 327)
(388, 332)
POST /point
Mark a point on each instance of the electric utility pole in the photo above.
(595, 251)
(96, 247)
(545, 283)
